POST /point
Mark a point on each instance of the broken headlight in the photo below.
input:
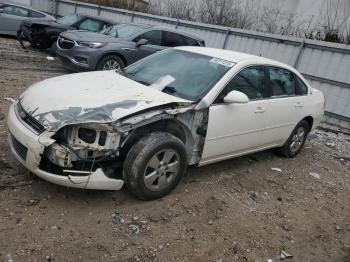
(83, 143)
(87, 135)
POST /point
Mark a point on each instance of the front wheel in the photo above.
(155, 165)
(110, 62)
(296, 140)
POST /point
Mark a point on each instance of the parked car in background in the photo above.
(144, 125)
(44, 35)
(12, 15)
(118, 46)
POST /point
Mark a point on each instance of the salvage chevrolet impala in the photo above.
(144, 125)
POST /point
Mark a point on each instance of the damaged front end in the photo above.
(85, 153)
(84, 149)
(81, 140)
(91, 155)
(39, 35)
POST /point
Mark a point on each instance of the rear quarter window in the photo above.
(35, 14)
(300, 88)
(174, 39)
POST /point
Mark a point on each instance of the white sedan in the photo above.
(143, 126)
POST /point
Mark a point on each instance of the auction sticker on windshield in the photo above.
(222, 62)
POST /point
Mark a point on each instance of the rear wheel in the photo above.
(296, 140)
(53, 48)
(110, 62)
(21, 39)
(155, 165)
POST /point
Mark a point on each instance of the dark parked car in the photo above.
(12, 15)
(118, 46)
(44, 35)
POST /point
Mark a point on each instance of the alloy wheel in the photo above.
(161, 169)
(297, 139)
(111, 65)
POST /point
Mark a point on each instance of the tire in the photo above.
(53, 48)
(115, 63)
(20, 38)
(296, 140)
(154, 165)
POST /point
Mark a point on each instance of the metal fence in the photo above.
(325, 65)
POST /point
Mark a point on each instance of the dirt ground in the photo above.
(237, 210)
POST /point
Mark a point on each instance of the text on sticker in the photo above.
(222, 62)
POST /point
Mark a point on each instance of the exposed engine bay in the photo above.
(82, 149)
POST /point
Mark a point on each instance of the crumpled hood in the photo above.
(92, 97)
(45, 23)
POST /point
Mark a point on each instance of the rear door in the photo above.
(286, 105)
(11, 17)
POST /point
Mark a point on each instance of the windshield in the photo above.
(123, 30)
(194, 74)
(68, 20)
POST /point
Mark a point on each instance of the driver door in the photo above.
(236, 129)
(154, 38)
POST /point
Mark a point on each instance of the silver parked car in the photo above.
(118, 46)
(12, 15)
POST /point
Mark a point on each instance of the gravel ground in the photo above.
(236, 210)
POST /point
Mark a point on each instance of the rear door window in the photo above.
(281, 81)
(154, 37)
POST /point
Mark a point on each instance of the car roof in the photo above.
(166, 28)
(99, 18)
(24, 6)
(177, 31)
(233, 56)
(145, 26)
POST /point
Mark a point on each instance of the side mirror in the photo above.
(141, 42)
(236, 97)
(1, 10)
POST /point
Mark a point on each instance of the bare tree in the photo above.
(334, 21)
(217, 12)
(273, 19)
(179, 9)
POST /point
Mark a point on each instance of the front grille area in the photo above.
(65, 43)
(20, 149)
(29, 120)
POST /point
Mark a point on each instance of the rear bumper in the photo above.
(27, 149)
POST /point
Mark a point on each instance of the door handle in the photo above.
(298, 104)
(260, 110)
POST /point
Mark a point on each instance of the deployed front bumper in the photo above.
(27, 149)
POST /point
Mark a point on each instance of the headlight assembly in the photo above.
(91, 44)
